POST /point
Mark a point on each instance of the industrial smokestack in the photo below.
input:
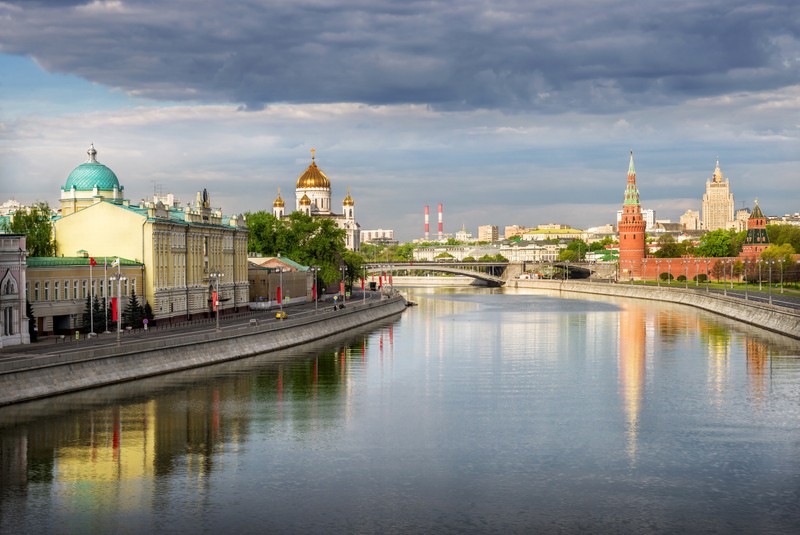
(440, 221)
(427, 223)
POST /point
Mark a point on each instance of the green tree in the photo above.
(36, 224)
(716, 244)
(784, 233)
(668, 247)
(32, 331)
(148, 314)
(468, 259)
(134, 312)
(779, 257)
(600, 245)
(567, 255)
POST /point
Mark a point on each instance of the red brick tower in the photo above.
(757, 239)
(631, 230)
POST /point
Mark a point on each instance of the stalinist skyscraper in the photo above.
(717, 202)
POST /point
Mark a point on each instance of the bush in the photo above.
(664, 276)
(681, 278)
(700, 277)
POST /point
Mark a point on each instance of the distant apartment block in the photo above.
(488, 233)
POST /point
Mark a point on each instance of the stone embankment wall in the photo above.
(774, 318)
(49, 375)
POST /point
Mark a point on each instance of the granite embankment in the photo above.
(55, 373)
(781, 320)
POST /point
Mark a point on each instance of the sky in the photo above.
(508, 112)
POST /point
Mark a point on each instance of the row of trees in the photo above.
(133, 315)
(36, 224)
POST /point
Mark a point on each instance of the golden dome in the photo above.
(278, 201)
(348, 201)
(313, 177)
(305, 200)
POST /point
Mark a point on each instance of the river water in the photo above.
(478, 411)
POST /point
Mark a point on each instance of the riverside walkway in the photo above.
(228, 323)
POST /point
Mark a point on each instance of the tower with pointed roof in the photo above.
(718, 205)
(756, 240)
(631, 229)
(278, 206)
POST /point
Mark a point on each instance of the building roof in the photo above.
(271, 262)
(92, 174)
(56, 261)
(313, 177)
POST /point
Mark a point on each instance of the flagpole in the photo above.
(105, 291)
(91, 299)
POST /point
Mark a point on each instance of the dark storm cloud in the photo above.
(552, 56)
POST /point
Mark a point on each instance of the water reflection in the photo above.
(632, 364)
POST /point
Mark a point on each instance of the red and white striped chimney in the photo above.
(440, 221)
(427, 223)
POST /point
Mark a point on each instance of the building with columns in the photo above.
(717, 206)
(186, 250)
(313, 198)
(631, 229)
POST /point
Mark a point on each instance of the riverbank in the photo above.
(773, 318)
(67, 371)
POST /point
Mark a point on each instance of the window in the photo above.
(36, 291)
(47, 290)
(84, 286)
(66, 289)
(74, 289)
(56, 290)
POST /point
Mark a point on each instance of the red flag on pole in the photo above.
(314, 290)
(114, 311)
(214, 300)
(362, 284)
(92, 262)
(279, 295)
(341, 287)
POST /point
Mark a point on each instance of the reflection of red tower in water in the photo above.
(631, 229)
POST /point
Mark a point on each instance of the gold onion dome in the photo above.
(313, 177)
(278, 201)
(348, 201)
(305, 200)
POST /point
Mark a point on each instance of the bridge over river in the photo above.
(497, 273)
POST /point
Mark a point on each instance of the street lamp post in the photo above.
(669, 272)
(745, 265)
(215, 276)
(686, 273)
(644, 269)
(780, 267)
(724, 277)
(315, 270)
(769, 282)
(119, 277)
(280, 290)
(658, 269)
(364, 286)
(344, 289)
(696, 272)
(760, 262)
(708, 264)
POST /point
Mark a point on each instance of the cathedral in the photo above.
(313, 198)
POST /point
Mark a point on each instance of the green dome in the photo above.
(90, 174)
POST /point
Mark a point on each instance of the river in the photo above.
(477, 411)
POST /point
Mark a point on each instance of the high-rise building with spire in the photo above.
(718, 206)
(631, 229)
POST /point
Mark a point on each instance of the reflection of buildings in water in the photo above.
(757, 366)
(13, 459)
(632, 366)
(718, 345)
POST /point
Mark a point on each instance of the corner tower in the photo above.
(756, 240)
(631, 229)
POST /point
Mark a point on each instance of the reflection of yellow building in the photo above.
(180, 246)
(718, 342)
(632, 360)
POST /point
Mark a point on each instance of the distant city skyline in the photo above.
(533, 127)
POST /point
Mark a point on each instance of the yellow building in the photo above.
(187, 252)
(57, 288)
(718, 204)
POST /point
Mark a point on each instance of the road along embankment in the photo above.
(785, 321)
(52, 374)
